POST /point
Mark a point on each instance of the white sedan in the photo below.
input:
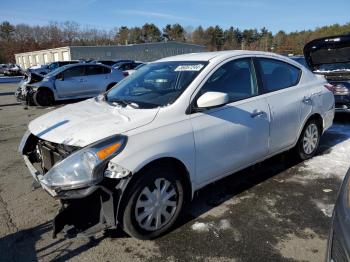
(134, 156)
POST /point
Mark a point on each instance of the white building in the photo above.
(142, 52)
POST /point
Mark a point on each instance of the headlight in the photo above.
(84, 167)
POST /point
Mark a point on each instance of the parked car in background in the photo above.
(3, 67)
(133, 156)
(126, 65)
(13, 70)
(68, 82)
(330, 56)
(300, 59)
(105, 62)
(44, 69)
(339, 238)
(131, 71)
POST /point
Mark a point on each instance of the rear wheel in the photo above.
(309, 140)
(154, 203)
(43, 97)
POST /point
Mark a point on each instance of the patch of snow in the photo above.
(224, 224)
(331, 164)
(200, 227)
(326, 209)
(331, 71)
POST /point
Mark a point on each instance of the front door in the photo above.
(235, 135)
(96, 80)
(72, 83)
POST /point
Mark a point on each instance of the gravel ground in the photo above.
(278, 210)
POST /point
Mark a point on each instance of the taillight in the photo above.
(329, 87)
(340, 90)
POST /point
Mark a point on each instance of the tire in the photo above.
(135, 221)
(43, 97)
(309, 140)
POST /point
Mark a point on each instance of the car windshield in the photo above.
(334, 67)
(157, 84)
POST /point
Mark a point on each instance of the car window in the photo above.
(53, 66)
(236, 78)
(277, 75)
(106, 70)
(126, 66)
(74, 72)
(94, 70)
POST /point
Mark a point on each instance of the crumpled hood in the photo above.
(328, 50)
(86, 122)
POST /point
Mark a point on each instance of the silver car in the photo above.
(68, 82)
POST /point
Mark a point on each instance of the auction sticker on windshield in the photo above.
(189, 67)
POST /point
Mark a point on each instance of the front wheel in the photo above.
(309, 140)
(154, 203)
(43, 97)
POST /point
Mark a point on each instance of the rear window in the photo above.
(95, 70)
(277, 75)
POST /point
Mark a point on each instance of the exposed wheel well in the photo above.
(318, 119)
(45, 88)
(169, 161)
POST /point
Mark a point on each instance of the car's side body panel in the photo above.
(222, 138)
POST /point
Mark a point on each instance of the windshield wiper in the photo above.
(125, 103)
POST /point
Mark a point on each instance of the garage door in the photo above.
(30, 60)
(65, 56)
(46, 59)
(37, 61)
(55, 56)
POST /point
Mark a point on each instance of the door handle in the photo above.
(257, 113)
(307, 100)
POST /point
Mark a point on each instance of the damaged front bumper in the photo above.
(85, 211)
(25, 93)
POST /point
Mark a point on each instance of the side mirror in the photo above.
(60, 77)
(212, 99)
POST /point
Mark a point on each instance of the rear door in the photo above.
(280, 85)
(97, 79)
(72, 84)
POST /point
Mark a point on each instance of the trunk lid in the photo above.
(329, 56)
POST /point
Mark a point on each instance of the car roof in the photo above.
(84, 64)
(207, 56)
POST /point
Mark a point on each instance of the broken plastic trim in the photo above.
(89, 214)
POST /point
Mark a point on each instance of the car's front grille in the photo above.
(51, 153)
(337, 251)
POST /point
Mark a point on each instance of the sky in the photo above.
(275, 15)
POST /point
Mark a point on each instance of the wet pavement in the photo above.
(279, 210)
